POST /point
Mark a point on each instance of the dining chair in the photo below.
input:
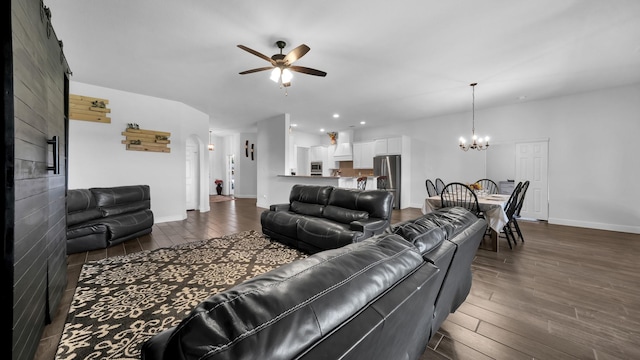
(431, 188)
(459, 194)
(510, 209)
(439, 185)
(362, 182)
(516, 215)
(488, 185)
(382, 182)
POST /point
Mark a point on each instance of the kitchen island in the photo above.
(349, 182)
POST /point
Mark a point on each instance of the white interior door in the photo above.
(532, 160)
(192, 175)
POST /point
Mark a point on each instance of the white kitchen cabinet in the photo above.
(347, 182)
(394, 146)
(363, 153)
(380, 147)
(390, 146)
(317, 153)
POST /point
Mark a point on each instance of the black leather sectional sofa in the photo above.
(381, 298)
(101, 217)
(318, 218)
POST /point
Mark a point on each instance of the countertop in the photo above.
(324, 177)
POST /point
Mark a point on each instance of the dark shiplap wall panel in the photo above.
(40, 196)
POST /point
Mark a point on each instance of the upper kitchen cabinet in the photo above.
(363, 153)
(390, 146)
(317, 153)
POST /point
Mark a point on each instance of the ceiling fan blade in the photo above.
(263, 56)
(296, 54)
(306, 70)
(256, 70)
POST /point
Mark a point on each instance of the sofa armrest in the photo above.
(370, 226)
(279, 207)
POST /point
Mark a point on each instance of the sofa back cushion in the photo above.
(454, 219)
(425, 237)
(285, 311)
(81, 207)
(343, 215)
(303, 208)
(377, 203)
(310, 194)
(121, 194)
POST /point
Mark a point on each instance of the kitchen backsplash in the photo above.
(346, 169)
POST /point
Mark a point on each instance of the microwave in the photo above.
(316, 168)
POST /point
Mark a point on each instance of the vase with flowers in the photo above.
(218, 183)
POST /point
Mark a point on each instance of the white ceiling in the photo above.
(386, 60)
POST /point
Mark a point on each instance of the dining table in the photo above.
(493, 208)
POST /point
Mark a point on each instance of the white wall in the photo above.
(97, 157)
(247, 169)
(273, 144)
(593, 162)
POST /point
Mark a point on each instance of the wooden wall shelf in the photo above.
(147, 140)
(88, 109)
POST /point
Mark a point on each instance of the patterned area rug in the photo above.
(122, 301)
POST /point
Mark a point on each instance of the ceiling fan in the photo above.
(281, 65)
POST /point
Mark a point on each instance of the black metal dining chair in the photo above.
(439, 185)
(510, 209)
(431, 188)
(516, 215)
(459, 194)
(361, 183)
(488, 185)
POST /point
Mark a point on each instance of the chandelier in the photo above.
(476, 142)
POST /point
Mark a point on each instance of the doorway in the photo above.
(231, 172)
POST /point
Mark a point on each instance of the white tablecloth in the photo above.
(491, 205)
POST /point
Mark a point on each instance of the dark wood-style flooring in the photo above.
(566, 293)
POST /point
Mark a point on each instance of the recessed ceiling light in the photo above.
(362, 122)
(294, 125)
(321, 130)
(335, 116)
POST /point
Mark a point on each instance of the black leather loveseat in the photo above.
(381, 298)
(101, 217)
(325, 217)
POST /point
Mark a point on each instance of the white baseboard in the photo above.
(595, 225)
(162, 219)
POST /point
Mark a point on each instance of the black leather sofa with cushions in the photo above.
(449, 239)
(325, 217)
(101, 217)
(381, 298)
(368, 300)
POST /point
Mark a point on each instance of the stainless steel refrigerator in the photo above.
(389, 166)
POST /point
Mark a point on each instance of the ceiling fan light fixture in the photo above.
(282, 67)
(287, 75)
(275, 75)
